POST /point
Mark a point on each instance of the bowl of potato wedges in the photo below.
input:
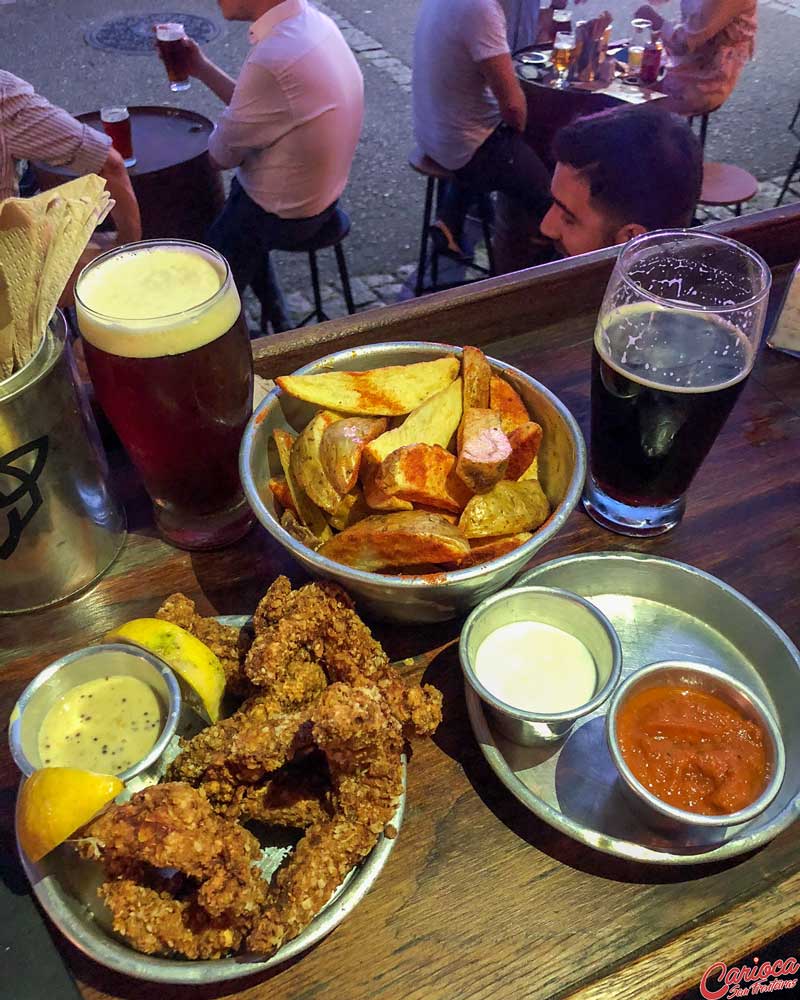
(421, 477)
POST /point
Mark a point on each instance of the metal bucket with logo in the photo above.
(60, 527)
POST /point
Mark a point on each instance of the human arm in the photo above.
(35, 129)
(483, 29)
(207, 71)
(702, 21)
(125, 213)
(499, 74)
(257, 116)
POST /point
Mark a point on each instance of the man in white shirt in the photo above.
(291, 128)
(470, 112)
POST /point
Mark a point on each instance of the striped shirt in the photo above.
(31, 128)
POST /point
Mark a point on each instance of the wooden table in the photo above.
(179, 192)
(480, 899)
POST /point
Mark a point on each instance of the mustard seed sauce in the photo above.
(104, 725)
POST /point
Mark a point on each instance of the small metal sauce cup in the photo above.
(549, 606)
(654, 811)
(77, 668)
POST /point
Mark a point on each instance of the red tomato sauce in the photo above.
(692, 750)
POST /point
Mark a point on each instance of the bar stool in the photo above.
(436, 175)
(703, 124)
(795, 167)
(727, 184)
(787, 184)
(332, 234)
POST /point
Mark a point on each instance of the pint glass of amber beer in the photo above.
(170, 360)
(676, 338)
(169, 39)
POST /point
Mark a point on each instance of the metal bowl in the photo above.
(562, 468)
(550, 606)
(654, 811)
(78, 668)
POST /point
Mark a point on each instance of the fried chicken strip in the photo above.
(297, 797)
(156, 923)
(173, 826)
(242, 749)
(318, 621)
(363, 744)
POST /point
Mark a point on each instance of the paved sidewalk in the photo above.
(374, 291)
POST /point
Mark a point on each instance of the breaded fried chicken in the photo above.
(363, 743)
(242, 749)
(318, 621)
(173, 826)
(158, 924)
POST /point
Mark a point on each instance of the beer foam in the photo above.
(153, 301)
(170, 31)
(655, 346)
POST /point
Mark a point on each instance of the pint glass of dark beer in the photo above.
(170, 360)
(117, 126)
(169, 39)
(676, 338)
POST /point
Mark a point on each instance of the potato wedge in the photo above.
(524, 441)
(380, 392)
(279, 488)
(506, 509)
(306, 464)
(476, 375)
(299, 531)
(404, 539)
(342, 445)
(310, 515)
(352, 509)
(423, 473)
(375, 497)
(484, 549)
(506, 401)
(483, 450)
(434, 422)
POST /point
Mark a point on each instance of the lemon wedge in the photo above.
(56, 801)
(190, 658)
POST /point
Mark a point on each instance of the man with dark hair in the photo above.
(621, 173)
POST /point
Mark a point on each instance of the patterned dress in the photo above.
(706, 52)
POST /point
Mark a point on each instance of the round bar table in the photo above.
(179, 192)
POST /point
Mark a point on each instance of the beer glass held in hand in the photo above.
(169, 39)
(676, 338)
(170, 360)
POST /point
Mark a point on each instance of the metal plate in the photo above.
(66, 887)
(661, 610)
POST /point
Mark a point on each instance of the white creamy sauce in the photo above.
(536, 667)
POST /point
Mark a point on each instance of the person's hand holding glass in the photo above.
(676, 337)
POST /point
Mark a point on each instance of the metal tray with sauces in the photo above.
(661, 610)
(66, 887)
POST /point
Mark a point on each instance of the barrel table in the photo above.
(179, 192)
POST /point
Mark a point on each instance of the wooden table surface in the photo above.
(480, 899)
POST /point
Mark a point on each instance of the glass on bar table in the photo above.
(116, 123)
(563, 53)
(676, 337)
(170, 360)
